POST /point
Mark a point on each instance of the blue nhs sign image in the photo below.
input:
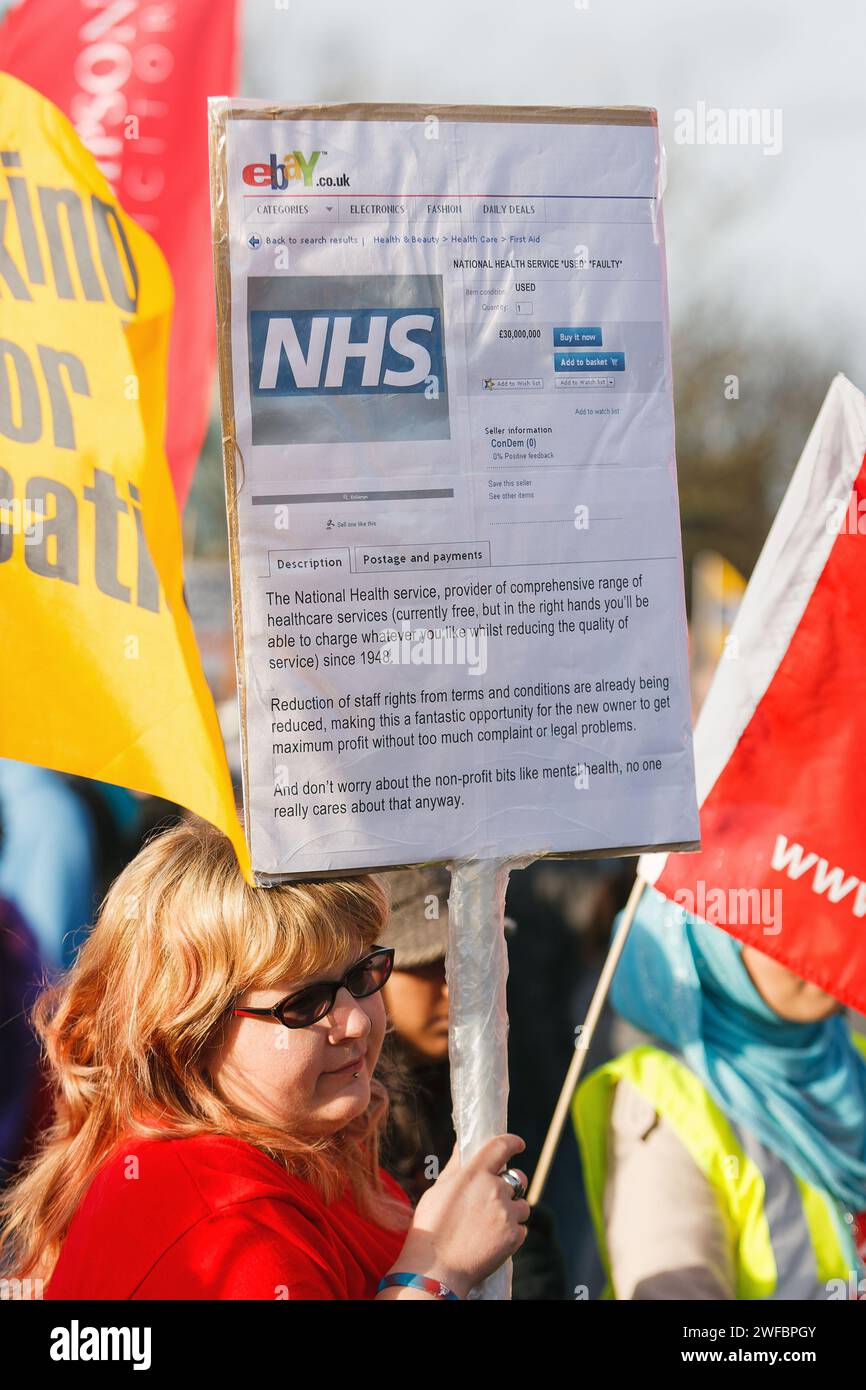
(346, 358)
(357, 351)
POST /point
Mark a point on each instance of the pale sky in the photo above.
(779, 238)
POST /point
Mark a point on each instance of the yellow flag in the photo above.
(717, 590)
(100, 673)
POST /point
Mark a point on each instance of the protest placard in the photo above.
(451, 487)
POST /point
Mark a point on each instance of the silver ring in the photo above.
(515, 1182)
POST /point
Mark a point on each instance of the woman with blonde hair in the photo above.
(213, 1052)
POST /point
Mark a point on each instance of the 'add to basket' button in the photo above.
(589, 361)
(576, 337)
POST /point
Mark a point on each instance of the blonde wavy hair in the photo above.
(179, 938)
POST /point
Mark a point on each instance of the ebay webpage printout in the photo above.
(451, 484)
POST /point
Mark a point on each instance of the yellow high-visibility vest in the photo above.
(792, 1240)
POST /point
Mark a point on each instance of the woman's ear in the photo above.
(213, 1044)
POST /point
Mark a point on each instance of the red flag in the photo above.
(133, 76)
(780, 744)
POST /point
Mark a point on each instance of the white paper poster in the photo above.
(452, 490)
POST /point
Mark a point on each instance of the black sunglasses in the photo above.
(307, 1006)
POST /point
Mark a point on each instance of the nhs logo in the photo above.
(353, 351)
(342, 359)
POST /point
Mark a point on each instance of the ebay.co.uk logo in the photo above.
(278, 173)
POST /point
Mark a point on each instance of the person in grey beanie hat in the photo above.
(416, 996)
(420, 1134)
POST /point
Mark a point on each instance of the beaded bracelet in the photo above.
(417, 1281)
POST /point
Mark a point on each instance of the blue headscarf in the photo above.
(798, 1087)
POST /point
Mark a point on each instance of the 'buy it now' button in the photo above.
(576, 337)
